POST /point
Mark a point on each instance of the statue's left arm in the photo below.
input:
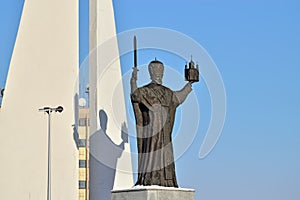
(180, 96)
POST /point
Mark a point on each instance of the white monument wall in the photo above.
(106, 93)
(42, 72)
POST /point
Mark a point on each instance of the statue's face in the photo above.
(156, 71)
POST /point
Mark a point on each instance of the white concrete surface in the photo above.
(106, 93)
(153, 193)
(42, 72)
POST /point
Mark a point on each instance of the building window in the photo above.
(82, 184)
(83, 122)
(82, 163)
(81, 143)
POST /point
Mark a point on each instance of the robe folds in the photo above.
(154, 108)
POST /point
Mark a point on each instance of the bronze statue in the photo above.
(154, 108)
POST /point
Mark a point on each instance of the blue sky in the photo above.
(256, 46)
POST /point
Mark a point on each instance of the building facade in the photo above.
(83, 154)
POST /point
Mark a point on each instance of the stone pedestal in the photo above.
(153, 193)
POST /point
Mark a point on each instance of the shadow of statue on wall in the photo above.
(76, 137)
(104, 154)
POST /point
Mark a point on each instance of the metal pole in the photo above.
(49, 157)
(49, 110)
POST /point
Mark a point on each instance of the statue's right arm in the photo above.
(133, 80)
(181, 95)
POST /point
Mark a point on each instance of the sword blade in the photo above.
(135, 51)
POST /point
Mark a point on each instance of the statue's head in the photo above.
(156, 71)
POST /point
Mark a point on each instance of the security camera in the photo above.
(50, 110)
(87, 88)
(1, 92)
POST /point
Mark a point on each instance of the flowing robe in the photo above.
(154, 107)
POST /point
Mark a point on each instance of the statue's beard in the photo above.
(157, 80)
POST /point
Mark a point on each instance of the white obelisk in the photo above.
(110, 163)
(43, 71)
